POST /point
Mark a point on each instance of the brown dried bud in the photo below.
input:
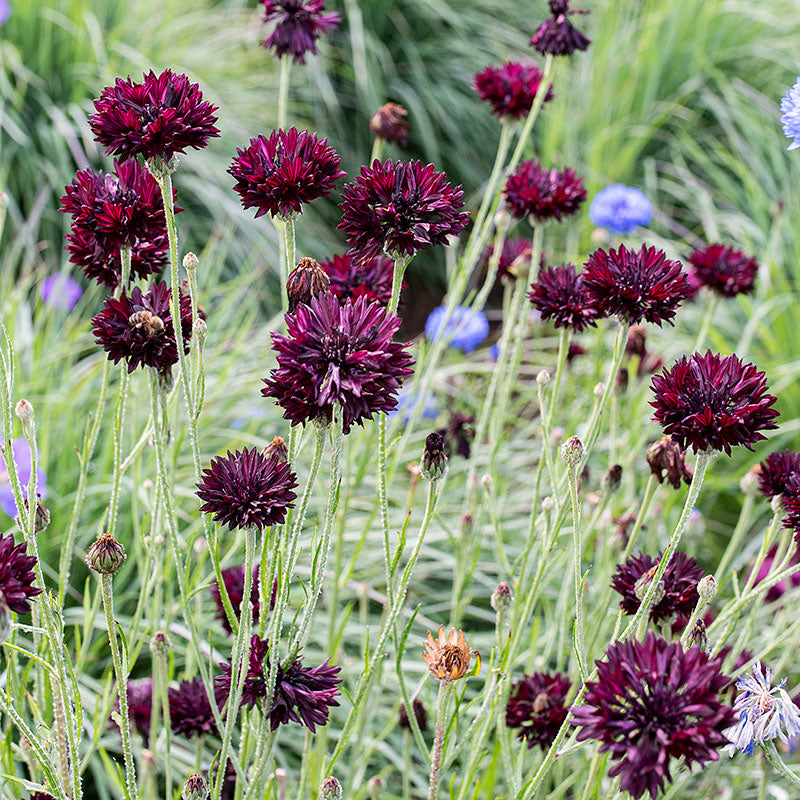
(637, 340)
(612, 478)
(667, 460)
(420, 714)
(160, 643)
(41, 518)
(331, 789)
(448, 656)
(106, 555)
(707, 588)
(390, 123)
(195, 788)
(277, 447)
(698, 636)
(307, 280)
(434, 459)
(501, 597)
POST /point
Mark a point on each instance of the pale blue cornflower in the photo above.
(620, 209)
(765, 712)
(465, 330)
(790, 115)
(407, 400)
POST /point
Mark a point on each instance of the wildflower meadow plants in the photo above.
(331, 556)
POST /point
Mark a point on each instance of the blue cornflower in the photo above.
(620, 209)
(407, 399)
(22, 458)
(465, 330)
(5, 11)
(765, 712)
(790, 115)
(60, 290)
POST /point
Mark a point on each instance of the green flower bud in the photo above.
(106, 555)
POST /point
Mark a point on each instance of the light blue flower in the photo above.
(765, 712)
(60, 290)
(620, 209)
(5, 11)
(22, 458)
(466, 328)
(494, 351)
(407, 400)
(790, 115)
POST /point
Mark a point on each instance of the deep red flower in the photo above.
(140, 702)
(342, 354)
(190, 712)
(163, 115)
(16, 575)
(110, 211)
(537, 707)
(247, 489)
(514, 257)
(713, 402)
(138, 328)
(299, 24)
(636, 285)
(558, 295)
(277, 174)
(679, 585)
(399, 208)
(510, 89)
(653, 702)
(543, 194)
(233, 578)
(557, 35)
(724, 269)
(350, 280)
(791, 503)
(390, 123)
(778, 472)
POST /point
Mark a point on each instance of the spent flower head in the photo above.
(667, 461)
(448, 656)
(308, 279)
(557, 35)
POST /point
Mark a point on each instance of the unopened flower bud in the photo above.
(106, 555)
(200, 545)
(572, 451)
(776, 503)
(641, 587)
(24, 410)
(467, 524)
(501, 597)
(5, 621)
(331, 789)
(41, 517)
(612, 478)
(707, 588)
(376, 787)
(698, 636)
(749, 484)
(637, 340)
(306, 281)
(547, 504)
(190, 261)
(599, 390)
(543, 378)
(486, 480)
(420, 714)
(434, 459)
(195, 788)
(390, 123)
(160, 643)
(199, 330)
(277, 447)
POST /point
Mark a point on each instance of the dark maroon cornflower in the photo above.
(16, 575)
(510, 89)
(138, 328)
(163, 115)
(778, 472)
(791, 504)
(302, 694)
(537, 707)
(668, 461)
(779, 589)
(399, 208)
(342, 354)
(190, 712)
(713, 402)
(636, 285)
(350, 280)
(654, 701)
(390, 123)
(140, 701)
(574, 351)
(543, 194)
(675, 597)
(114, 211)
(557, 35)
(420, 714)
(40, 796)
(233, 578)
(558, 295)
(247, 489)
(277, 174)
(459, 433)
(299, 24)
(724, 269)
(516, 253)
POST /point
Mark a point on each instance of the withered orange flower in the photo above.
(448, 656)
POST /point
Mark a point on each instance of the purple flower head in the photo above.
(558, 295)
(5, 11)
(653, 702)
(190, 711)
(16, 575)
(139, 328)
(233, 578)
(514, 258)
(791, 503)
(713, 402)
(537, 706)
(163, 115)
(636, 286)
(465, 330)
(342, 354)
(543, 194)
(779, 473)
(557, 35)
(22, 459)
(790, 115)
(724, 270)
(675, 597)
(620, 209)
(247, 489)
(398, 208)
(60, 291)
(299, 24)
(140, 701)
(350, 280)
(511, 88)
(277, 174)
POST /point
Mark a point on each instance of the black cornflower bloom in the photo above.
(233, 578)
(299, 24)
(543, 194)
(189, 709)
(511, 88)
(350, 280)
(16, 575)
(779, 473)
(724, 269)
(559, 295)
(557, 35)
(537, 707)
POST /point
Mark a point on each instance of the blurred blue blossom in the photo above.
(494, 351)
(620, 209)
(790, 115)
(406, 402)
(60, 290)
(466, 328)
(5, 11)
(22, 458)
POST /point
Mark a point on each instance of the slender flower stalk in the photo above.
(706, 324)
(287, 263)
(779, 765)
(283, 89)
(438, 740)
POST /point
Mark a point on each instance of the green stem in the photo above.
(706, 325)
(777, 763)
(377, 150)
(736, 538)
(564, 339)
(438, 739)
(283, 89)
(288, 261)
(577, 550)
